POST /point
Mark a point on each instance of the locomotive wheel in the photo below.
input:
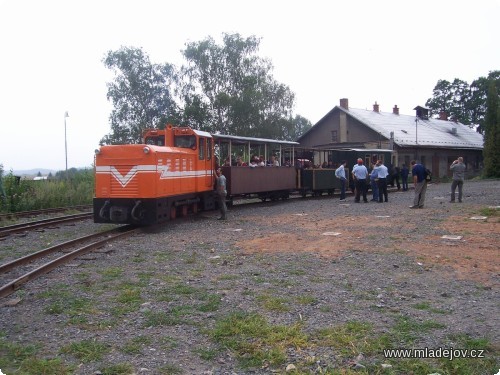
(184, 211)
(173, 212)
(195, 208)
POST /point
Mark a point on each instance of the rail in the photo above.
(109, 236)
(16, 215)
(21, 227)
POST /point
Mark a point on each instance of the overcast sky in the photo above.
(391, 52)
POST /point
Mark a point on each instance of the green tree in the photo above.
(296, 127)
(229, 89)
(141, 93)
(466, 103)
(479, 93)
(452, 98)
(491, 151)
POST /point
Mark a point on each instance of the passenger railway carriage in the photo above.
(172, 173)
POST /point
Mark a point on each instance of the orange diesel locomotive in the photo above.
(170, 174)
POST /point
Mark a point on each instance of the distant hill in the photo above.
(33, 172)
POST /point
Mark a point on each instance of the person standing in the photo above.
(360, 174)
(418, 173)
(458, 167)
(404, 177)
(374, 183)
(383, 172)
(220, 189)
(395, 177)
(340, 174)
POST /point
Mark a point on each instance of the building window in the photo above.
(334, 136)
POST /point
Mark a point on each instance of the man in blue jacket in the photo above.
(418, 173)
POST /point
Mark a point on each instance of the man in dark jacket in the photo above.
(418, 173)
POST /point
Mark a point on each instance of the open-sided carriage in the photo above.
(264, 181)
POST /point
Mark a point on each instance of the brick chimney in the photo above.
(395, 110)
(344, 103)
(443, 116)
(375, 107)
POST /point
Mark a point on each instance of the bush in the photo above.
(27, 195)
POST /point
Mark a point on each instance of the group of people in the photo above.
(255, 161)
(377, 178)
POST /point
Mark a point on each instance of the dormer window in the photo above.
(422, 112)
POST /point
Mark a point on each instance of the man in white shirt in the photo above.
(382, 173)
(340, 174)
(360, 174)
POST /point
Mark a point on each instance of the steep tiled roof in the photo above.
(430, 133)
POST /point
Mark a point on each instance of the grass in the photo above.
(118, 369)
(136, 345)
(27, 195)
(165, 318)
(352, 338)
(306, 300)
(253, 341)
(170, 370)
(62, 301)
(207, 354)
(407, 329)
(272, 303)
(39, 366)
(427, 306)
(490, 212)
(111, 273)
(87, 350)
(257, 344)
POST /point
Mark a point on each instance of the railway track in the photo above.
(22, 214)
(23, 227)
(46, 260)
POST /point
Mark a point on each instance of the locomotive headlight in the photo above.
(146, 150)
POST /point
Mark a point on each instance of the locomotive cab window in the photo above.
(209, 149)
(201, 149)
(185, 141)
(156, 140)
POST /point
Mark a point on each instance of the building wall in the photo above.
(439, 160)
(338, 128)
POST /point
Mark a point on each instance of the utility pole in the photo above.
(65, 142)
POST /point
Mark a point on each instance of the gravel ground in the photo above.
(156, 300)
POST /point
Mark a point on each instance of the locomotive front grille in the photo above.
(131, 189)
(124, 182)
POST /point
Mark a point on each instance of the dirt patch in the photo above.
(474, 256)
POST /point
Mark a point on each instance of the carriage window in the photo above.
(185, 141)
(201, 149)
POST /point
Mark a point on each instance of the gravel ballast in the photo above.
(156, 300)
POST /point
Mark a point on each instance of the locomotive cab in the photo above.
(169, 174)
